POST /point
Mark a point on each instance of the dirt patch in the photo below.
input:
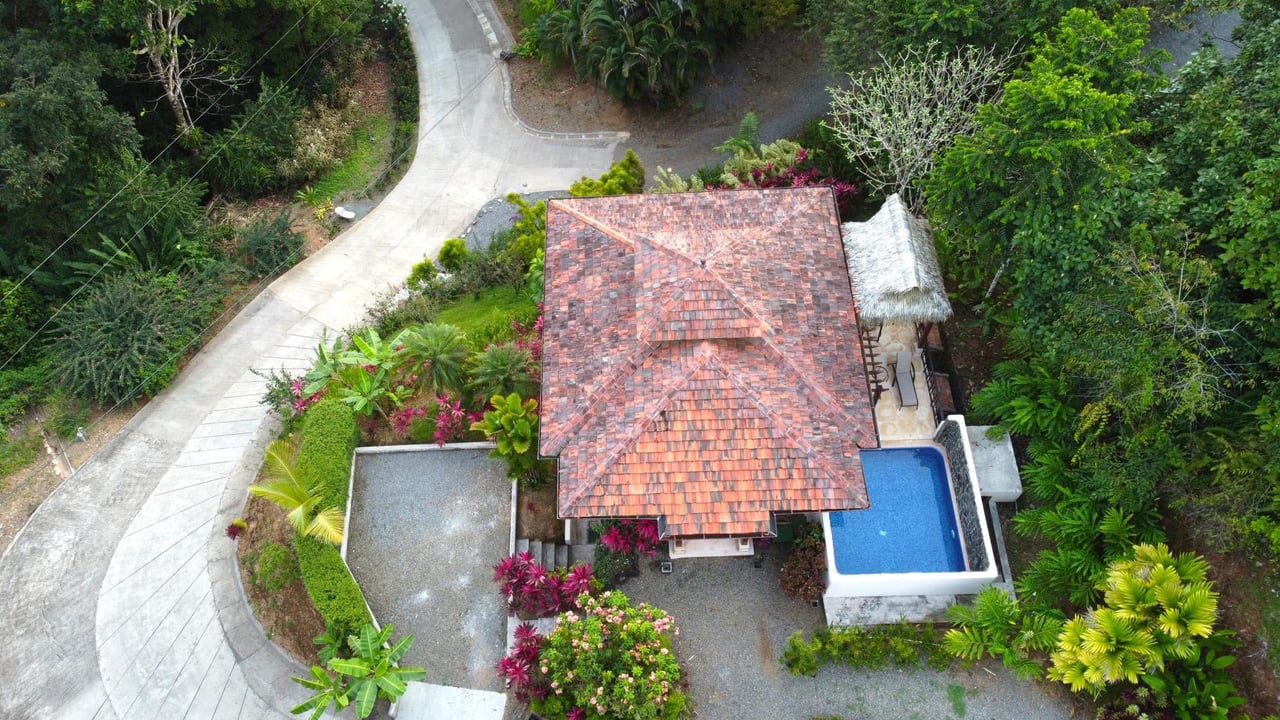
(287, 615)
(536, 515)
(22, 491)
(780, 76)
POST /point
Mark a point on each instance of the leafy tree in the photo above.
(245, 157)
(1157, 607)
(895, 118)
(269, 245)
(20, 316)
(1034, 187)
(300, 498)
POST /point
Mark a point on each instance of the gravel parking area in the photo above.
(734, 623)
(426, 529)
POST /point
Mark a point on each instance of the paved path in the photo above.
(120, 598)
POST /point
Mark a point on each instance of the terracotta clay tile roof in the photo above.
(701, 360)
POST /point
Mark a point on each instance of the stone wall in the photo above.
(951, 436)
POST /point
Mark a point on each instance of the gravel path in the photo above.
(734, 623)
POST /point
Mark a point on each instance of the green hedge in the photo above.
(333, 590)
(329, 436)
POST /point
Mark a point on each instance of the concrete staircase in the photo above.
(550, 555)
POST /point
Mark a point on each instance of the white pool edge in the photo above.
(968, 582)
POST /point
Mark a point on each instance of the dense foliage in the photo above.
(1118, 232)
(644, 49)
(609, 659)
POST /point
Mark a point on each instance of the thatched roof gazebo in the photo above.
(894, 268)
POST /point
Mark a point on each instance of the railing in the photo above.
(931, 382)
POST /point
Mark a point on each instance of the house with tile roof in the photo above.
(701, 360)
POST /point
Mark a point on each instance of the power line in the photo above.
(187, 182)
(166, 149)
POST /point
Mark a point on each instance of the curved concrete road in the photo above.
(119, 597)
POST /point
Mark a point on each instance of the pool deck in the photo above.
(908, 425)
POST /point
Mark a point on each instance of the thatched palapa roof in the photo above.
(894, 267)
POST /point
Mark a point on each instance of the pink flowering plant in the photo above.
(533, 591)
(608, 659)
(629, 536)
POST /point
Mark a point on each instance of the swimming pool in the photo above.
(924, 533)
(911, 524)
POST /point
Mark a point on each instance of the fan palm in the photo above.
(299, 498)
(502, 369)
(439, 349)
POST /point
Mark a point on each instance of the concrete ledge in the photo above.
(996, 465)
(887, 610)
(432, 702)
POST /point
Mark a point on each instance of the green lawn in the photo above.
(494, 306)
(369, 147)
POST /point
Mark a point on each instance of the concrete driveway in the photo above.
(121, 598)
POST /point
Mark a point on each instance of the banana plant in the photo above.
(328, 689)
(374, 671)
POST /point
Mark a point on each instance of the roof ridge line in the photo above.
(638, 428)
(603, 227)
(634, 361)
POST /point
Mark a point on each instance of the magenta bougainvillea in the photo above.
(630, 536)
(534, 591)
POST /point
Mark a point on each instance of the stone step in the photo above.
(562, 556)
(579, 554)
(535, 549)
(522, 545)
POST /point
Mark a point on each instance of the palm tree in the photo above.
(502, 369)
(286, 488)
(439, 349)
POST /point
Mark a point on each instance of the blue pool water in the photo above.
(911, 524)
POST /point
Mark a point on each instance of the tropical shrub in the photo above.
(629, 537)
(625, 177)
(124, 336)
(502, 369)
(358, 674)
(998, 626)
(652, 49)
(298, 495)
(1157, 607)
(453, 254)
(520, 667)
(269, 245)
(422, 274)
(874, 647)
(513, 425)
(534, 591)
(433, 355)
(609, 660)
(804, 572)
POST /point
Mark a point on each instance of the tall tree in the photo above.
(184, 71)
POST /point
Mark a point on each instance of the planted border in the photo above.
(329, 437)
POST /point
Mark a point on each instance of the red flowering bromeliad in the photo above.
(630, 536)
(534, 591)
